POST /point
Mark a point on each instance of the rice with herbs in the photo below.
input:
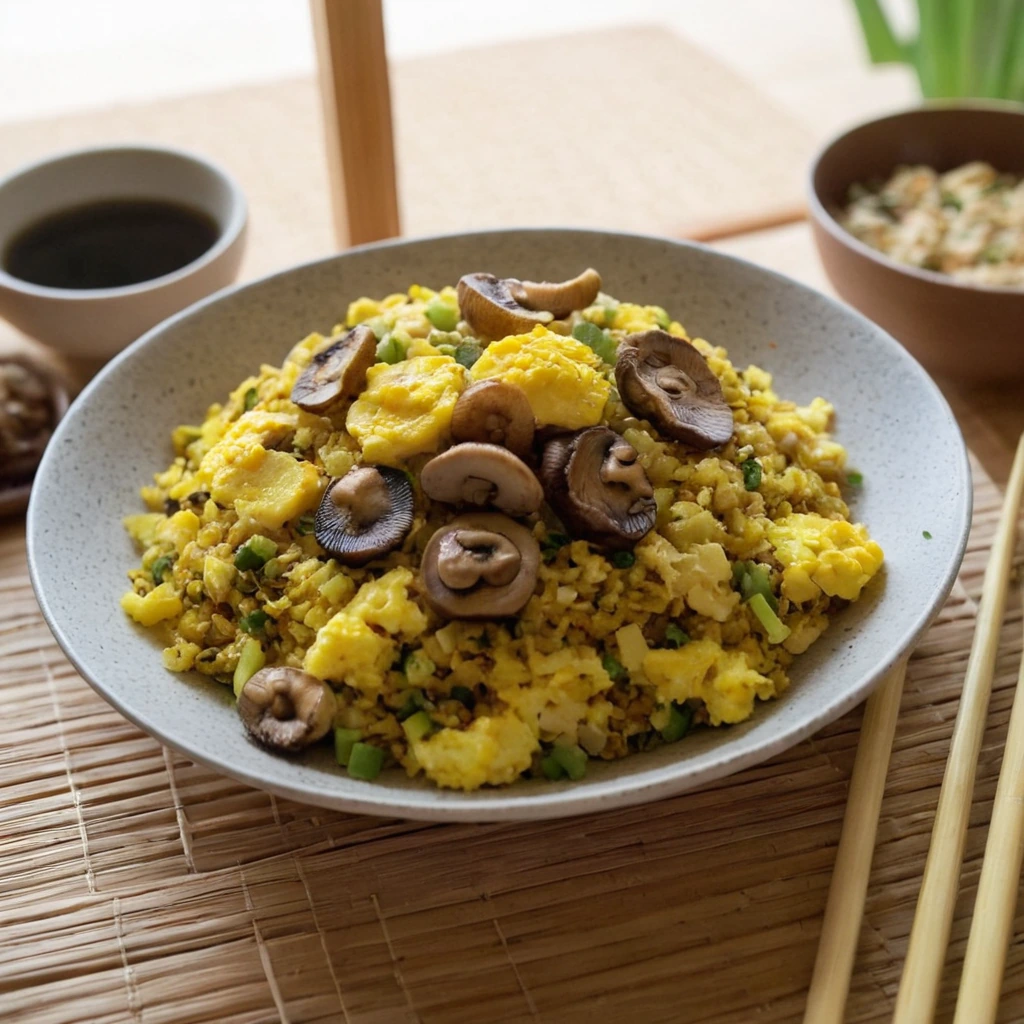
(622, 643)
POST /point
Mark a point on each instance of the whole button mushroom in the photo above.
(364, 514)
(339, 371)
(481, 565)
(596, 484)
(474, 473)
(667, 381)
(495, 412)
(496, 307)
(285, 708)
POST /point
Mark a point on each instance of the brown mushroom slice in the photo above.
(559, 299)
(488, 306)
(364, 514)
(474, 473)
(285, 708)
(495, 412)
(481, 565)
(596, 484)
(667, 381)
(339, 371)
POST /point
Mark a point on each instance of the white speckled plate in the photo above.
(891, 417)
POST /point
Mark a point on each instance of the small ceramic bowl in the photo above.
(899, 432)
(960, 330)
(93, 324)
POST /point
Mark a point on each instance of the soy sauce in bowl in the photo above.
(109, 244)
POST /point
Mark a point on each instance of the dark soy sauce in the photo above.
(109, 244)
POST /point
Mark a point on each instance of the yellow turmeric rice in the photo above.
(618, 596)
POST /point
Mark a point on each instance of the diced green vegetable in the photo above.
(417, 726)
(623, 559)
(413, 703)
(467, 353)
(775, 628)
(680, 717)
(751, 474)
(993, 254)
(390, 349)
(250, 660)
(552, 769)
(305, 525)
(756, 580)
(952, 202)
(661, 318)
(160, 567)
(441, 314)
(255, 553)
(615, 669)
(855, 479)
(926, 535)
(551, 545)
(592, 336)
(573, 759)
(254, 621)
(344, 741)
(365, 761)
(464, 695)
(418, 668)
(252, 396)
(675, 637)
(274, 568)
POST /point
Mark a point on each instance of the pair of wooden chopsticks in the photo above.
(994, 907)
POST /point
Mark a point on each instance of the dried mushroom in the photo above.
(482, 565)
(558, 299)
(596, 484)
(29, 406)
(474, 473)
(339, 371)
(667, 381)
(286, 708)
(364, 514)
(497, 413)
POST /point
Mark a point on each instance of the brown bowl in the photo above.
(968, 331)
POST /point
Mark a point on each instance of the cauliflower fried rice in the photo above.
(496, 532)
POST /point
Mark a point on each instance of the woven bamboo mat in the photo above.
(136, 886)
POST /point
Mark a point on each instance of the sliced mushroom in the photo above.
(339, 371)
(487, 305)
(482, 474)
(596, 484)
(497, 413)
(667, 381)
(286, 708)
(559, 299)
(482, 565)
(364, 514)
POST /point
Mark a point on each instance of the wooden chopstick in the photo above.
(840, 929)
(929, 935)
(992, 925)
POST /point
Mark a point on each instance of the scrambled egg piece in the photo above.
(349, 650)
(823, 555)
(722, 679)
(492, 751)
(406, 408)
(560, 376)
(701, 574)
(160, 603)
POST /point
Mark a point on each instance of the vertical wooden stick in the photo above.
(840, 930)
(357, 118)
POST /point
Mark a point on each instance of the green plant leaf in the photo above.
(883, 45)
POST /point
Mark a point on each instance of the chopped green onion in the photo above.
(305, 525)
(254, 621)
(552, 769)
(464, 695)
(252, 396)
(623, 559)
(390, 349)
(379, 326)
(467, 353)
(609, 316)
(680, 717)
(552, 544)
(926, 535)
(855, 479)
(365, 761)
(255, 553)
(776, 629)
(661, 318)
(993, 254)
(160, 567)
(274, 568)
(952, 201)
(250, 660)
(615, 669)
(573, 759)
(417, 726)
(344, 741)
(675, 637)
(413, 703)
(593, 337)
(739, 570)
(441, 314)
(756, 580)
(418, 668)
(751, 474)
